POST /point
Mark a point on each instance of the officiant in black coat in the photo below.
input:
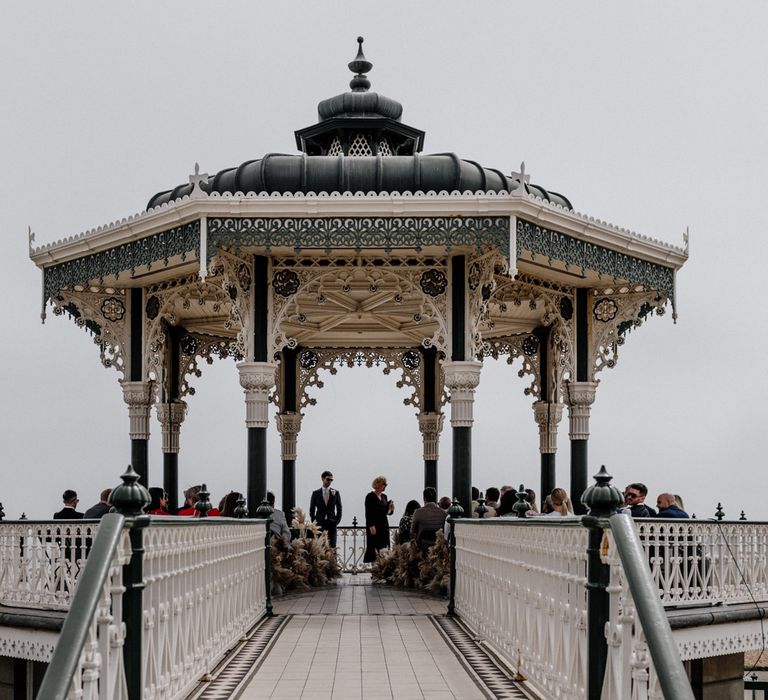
(377, 508)
(325, 507)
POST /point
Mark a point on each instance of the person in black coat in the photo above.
(377, 508)
(68, 512)
(325, 507)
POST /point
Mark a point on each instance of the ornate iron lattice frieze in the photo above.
(148, 252)
(194, 347)
(537, 240)
(103, 314)
(312, 360)
(482, 281)
(358, 233)
(525, 346)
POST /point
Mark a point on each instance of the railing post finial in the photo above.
(203, 505)
(2, 512)
(521, 506)
(240, 510)
(602, 498)
(481, 509)
(741, 517)
(719, 512)
(264, 510)
(455, 510)
(129, 498)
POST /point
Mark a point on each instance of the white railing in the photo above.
(521, 585)
(695, 562)
(204, 589)
(40, 562)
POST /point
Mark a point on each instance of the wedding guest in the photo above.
(377, 508)
(279, 525)
(159, 503)
(404, 529)
(69, 512)
(99, 510)
(229, 504)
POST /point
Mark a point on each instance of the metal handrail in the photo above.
(66, 657)
(653, 618)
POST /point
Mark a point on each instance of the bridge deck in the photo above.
(358, 640)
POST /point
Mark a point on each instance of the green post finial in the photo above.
(264, 510)
(455, 510)
(2, 512)
(719, 513)
(522, 506)
(241, 511)
(741, 517)
(129, 498)
(203, 505)
(602, 498)
(360, 66)
(481, 509)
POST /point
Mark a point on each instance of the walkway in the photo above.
(357, 640)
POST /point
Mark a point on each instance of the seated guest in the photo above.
(159, 503)
(473, 504)
(532, 500)
(99, 510)
(561, 504)
(427, 520)
(229, 504)
(404, 529)
(668, 508)
(634, 501)
(279, 525)
(445, 502)
(191, 496)
(508, 500)
(68, 512)
(492, 496)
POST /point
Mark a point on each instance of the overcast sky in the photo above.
(651, 116)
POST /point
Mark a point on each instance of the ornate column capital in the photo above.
(257, 380)
(430, 426)
(547, 416)
(462, 378)
(171, 415)
(288, 425)
(138, 396)
(580, 397)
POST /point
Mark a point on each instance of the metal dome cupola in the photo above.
(359, 122)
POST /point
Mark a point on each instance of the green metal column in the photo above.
(547, 474)
(579, 454)
(430, 405)
(171, 480)
(257, 468)
(462, 467)
(139, 446)
(289, 424)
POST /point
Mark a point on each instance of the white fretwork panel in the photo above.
(30, 644)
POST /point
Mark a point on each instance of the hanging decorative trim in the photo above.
(147, 252)
(533, 239)
(357, 232)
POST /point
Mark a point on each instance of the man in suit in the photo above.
(68, 512)
(427, 520)
(101, 508)
(325, 507)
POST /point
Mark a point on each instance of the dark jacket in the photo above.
(427, 520)
(672, 512)
(319, 512)
(67, 513)
(97, 511)
(641, 510)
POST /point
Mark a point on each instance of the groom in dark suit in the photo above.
(325, 507)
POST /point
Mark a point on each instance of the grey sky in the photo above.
(651, 116)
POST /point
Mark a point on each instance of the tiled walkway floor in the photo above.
(361, 641)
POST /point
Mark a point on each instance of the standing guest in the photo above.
(377, 508)
(229, 504)
(504, 489)
(444, 502)
(427, 520)
(191, 496)
(532, 500)
(473, 503)
(158, 505)
(325, 507)
(405, 522)
(634, 501)
(68, 512)
(679, 500)
(668, 508)
(98, 511)
(279, 525)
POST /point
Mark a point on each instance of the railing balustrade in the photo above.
(40, 561)
(521, 584)
(696, 562)
(350, 548)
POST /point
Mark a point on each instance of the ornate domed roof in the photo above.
(359, 145)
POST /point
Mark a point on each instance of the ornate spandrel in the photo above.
(235, 274)
(194, 347)
(524, 346)
(318, 302)
(482, 271)
(311, 361)
(203, 309)
(102, 312)
(615, 312)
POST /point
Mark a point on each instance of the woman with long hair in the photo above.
(561, 504)
(406, 522)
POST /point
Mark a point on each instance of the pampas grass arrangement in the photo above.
(404, 567)
(305, 563)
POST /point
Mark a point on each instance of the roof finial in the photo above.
(360, 65)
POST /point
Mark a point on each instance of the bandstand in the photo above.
(359, 250)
